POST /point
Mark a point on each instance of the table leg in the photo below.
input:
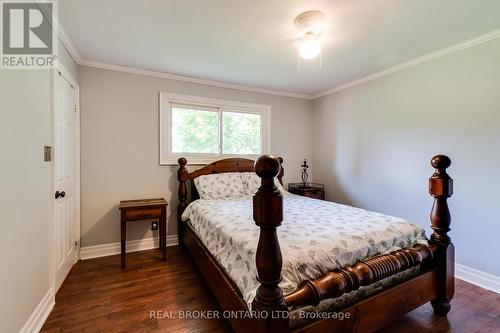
(160, 239)
(123, 241)
(163, 234)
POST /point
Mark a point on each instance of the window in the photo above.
(205, 129)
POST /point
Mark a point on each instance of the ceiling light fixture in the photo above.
(310, 47)
(311, 26)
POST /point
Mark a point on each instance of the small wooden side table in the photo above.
(144, 209)
(311, 190)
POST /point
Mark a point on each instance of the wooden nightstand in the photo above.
(311, 190)
(144, 209)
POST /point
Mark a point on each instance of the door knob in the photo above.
(60, 194)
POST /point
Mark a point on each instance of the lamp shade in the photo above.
(309, 48)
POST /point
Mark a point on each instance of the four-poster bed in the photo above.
(433, 262)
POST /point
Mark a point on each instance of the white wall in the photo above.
(119, 145)
(373, 144)
(25, 196)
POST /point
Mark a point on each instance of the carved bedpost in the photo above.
(441, 188)
(182, 176)
(268, 214)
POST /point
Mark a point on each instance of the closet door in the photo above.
(65, 168)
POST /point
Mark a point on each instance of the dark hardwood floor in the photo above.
(98, 296)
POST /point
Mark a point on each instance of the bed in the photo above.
(347, 268)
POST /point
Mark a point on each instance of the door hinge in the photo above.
(76, 109)
(76, 244)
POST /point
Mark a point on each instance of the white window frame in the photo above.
(167, 157)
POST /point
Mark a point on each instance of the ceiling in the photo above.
(254, 42)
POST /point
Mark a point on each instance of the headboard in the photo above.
(221, 166)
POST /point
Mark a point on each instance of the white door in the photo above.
(65, 159)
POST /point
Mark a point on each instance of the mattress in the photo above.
(315, 237)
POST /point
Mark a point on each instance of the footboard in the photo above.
(436, 261)
(364, 273)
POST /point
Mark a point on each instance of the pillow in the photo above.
(251, 183)
(219, 186)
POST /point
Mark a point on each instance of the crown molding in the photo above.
(68, 44)
(169, 76)
(75, 54)
(62, 35)
(414, 62)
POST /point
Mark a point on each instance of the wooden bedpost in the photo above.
(441, 188)
(182, 176)
(268, 214)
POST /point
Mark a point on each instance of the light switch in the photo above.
(47, 153)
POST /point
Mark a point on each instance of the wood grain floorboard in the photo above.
(98, 296)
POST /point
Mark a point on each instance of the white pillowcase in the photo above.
(251, 183)
(220, 186)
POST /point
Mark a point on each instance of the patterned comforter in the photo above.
(315, 237)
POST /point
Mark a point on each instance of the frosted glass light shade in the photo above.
(309, 48)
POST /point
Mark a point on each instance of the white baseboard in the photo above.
(40, 314)
(478, 278)
(104, 250)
